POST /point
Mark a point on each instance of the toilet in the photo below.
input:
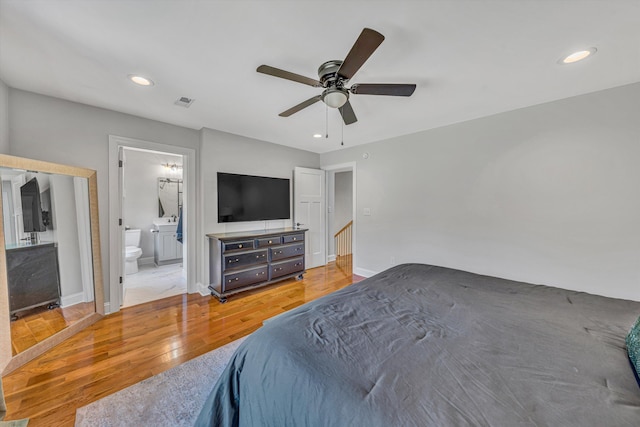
(132, 251)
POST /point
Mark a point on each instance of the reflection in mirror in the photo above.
(169, 197)
(47, 238)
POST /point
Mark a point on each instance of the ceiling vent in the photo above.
(185, 102)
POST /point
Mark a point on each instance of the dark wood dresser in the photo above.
(32, 275)
(249, 259)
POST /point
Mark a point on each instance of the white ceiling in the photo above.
(469, 58)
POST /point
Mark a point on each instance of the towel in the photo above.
(179, 228)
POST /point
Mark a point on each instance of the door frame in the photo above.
(343, 167)
(116, 267)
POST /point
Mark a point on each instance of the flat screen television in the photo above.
(31, 207)
(252, 198)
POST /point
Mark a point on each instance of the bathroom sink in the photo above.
(162, 224)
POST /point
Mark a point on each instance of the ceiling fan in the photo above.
(334, 76)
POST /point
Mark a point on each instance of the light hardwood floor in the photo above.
(140, 341)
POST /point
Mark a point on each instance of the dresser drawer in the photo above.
(286, 267)
(245, 278)
(287, 251)
(293, 238)
(269, 241)
(237, 245)
(239, 260)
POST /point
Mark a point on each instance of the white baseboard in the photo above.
(203, 289)
(107, 308)
(145, 261)
(364, 272)
(66, 301)
(331, 258)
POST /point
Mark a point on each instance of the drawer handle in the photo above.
(236, 279)
(277, 252)
(278, 269)
(295, 238)
(260, 256)
(240, 245)
(298, 249)
(298, 264)
(260, 274)
(231, 261)
(270, 242)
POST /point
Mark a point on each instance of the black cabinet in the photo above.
(32, 275)
(240, 261)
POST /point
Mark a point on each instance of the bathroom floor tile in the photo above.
(151, 283)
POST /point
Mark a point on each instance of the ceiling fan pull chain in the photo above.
(342, 137)
(326, 121)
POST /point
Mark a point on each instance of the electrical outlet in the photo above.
(366, 211)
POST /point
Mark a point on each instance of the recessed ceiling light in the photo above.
(139, 80)
(317, 135)
(578, 56)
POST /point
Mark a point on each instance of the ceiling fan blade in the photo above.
(363, 48)
(272, 71)
(300, 106)
(346, 111)
(383, 89)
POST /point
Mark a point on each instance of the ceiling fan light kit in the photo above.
(335, 97)
(334, 76)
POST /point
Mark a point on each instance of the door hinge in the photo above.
(119, 221)
(119, 163)
(121, 280)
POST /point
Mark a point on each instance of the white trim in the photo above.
(107, 308)
(331, 258)
(364, 272)
(203, 290)
(189, 164)
(73, 299)
(345, 167)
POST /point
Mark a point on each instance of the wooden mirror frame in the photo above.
(8, 362)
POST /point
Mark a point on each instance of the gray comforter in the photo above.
(419, 345)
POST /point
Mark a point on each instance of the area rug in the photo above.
(172, 398)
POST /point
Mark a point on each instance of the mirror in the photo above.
(169, 197)
(50, 273)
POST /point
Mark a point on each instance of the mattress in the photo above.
(420, 345)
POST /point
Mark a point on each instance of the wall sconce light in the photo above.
(173, 167)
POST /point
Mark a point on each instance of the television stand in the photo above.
(251, 259)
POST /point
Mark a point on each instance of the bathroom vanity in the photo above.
(167, 249)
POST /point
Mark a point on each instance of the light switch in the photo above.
(366, 212)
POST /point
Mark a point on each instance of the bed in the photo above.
(420, 345)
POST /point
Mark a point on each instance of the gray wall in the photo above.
(546, 194)
(226, 152)
(46, 128)
(65, 227)
(4, 118)
(343, 211)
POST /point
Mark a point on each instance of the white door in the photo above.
(309, 212)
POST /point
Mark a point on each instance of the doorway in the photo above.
(139, 174)
(152, 203)
(341, 215)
